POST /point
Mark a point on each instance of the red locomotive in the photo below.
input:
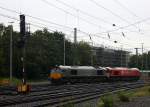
(119, 73)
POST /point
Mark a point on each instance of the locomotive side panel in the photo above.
(123, 74)
(77, 74)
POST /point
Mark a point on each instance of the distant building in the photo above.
(110, 57)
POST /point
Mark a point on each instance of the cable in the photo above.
(83, 12)
(143, 20)
(44, 27)
(35, 25)
(43, 20)
(116, 15)
(9, 17)
(14, 18)
(111, 40)
(54, 27)
(66, 34)
(124, 7)
(37, 18)
(63, 26)
(127, 9)
(48, 3)
(41, 27)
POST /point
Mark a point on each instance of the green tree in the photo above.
(43, 50)
(84, 53)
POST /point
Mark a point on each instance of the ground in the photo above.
(136, 98)
(136, 102)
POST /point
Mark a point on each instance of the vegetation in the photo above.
(136, 61)
(6, 81)
(144, 91)
(68, 105)
(123, 97)
(149, 89)
(110, 100)
(107, 101)
(43, 50)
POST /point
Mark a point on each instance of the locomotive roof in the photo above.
(79, 67)
(64, 67)
(122, 68)
(98, 67)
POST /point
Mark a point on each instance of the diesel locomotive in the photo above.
(90, 74)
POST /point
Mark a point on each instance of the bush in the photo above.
(123, 97)
(149, 90)
(68, 105)
(107, 101)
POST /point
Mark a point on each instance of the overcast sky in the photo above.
(94, 17)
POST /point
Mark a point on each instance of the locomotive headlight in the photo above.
(55, 75)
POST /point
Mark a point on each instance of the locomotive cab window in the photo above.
(99, 72)
(73, 72)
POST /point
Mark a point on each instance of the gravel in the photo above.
(136, 102)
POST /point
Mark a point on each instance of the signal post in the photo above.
(23, 88)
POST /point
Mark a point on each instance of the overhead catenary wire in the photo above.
(79, 30)
(43, 20)
(135, 23)
(71, 28)
(108, 10)
(37, 18)
(96, 35)
(128, 10)
(14, 18)
(61, 9)
(67, 27)
(39, 26)
(31, 23)
(58, 25)
(125, 8)
(10, 17)
(84, 19)
(78, 10)
(85, 13)
(105, 38)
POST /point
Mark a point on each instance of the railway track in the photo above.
(61, 95)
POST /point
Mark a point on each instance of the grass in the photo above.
(149, 89)
(110, 100)
(16, 81)
(68, 105)
(140, 92)
(37, 80)
(6, 81)
(123, 97)
(107, 101)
